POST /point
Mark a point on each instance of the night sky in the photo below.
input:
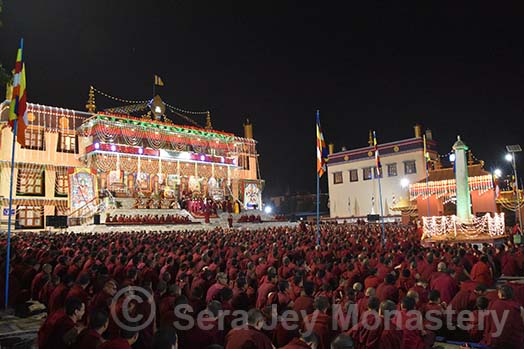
(455, 69)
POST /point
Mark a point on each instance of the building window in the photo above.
(392, 170)
(410, 167)
(337, 178)
(67, 143)
(30, 216)
(30, 182)
(61, 184)
(34, 139)
(353, 175)
(367, 173)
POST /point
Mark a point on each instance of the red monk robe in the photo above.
(117, 343)
(88, 339)
(481, 273)
(296, 343)
(248, 337)
(412, 335)
(447, 287)
(366, 334)
(512, 335)
(321, 327)
(62, 334)
(58, 297)
(463, 300)
(391, 338)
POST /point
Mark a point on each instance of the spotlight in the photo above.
(268, 209)
(497, 173)
(404, 182)
(509, 157)
(452, 157)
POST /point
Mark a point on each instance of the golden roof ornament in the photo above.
(370, 141)
(209, 126)
(90, 105)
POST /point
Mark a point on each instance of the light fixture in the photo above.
(268, 209)
(140, 150)
(404, 182)
(497, 173)
(509, 157)
(452, 157)
(202, 158)
(113, 147)
(97, 145)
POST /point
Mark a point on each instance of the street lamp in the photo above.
(511, 156)
(497, 173)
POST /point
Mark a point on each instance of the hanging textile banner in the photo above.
(83, 191)
(252, 196)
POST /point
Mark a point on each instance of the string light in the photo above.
(187, 111)
(117, 98)
(447, 225)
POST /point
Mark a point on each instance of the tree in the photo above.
(5, 76)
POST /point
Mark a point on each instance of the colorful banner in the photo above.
(83, 189)
(252, 196)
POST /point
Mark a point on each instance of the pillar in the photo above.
(461, 177)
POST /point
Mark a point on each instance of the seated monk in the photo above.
(249, 336)
(512, 335)
(366, 333)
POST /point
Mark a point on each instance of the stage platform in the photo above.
(196, 224)
(465, 239)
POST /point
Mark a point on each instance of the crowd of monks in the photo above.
(147, 219)
(265, 273)
(249, 219)
(206, 204)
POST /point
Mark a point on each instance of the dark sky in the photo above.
(366, 65)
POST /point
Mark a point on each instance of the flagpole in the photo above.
(318, 210)
(9, 219)
(318, 188)
(427, 174)
(381, 210)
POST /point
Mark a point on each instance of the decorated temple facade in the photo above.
(73, 160)
(353, 179)
(147, 159)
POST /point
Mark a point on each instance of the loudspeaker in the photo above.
(50, 221)
(373, 217)
(56, 221)
(61, 221)
(96, 218)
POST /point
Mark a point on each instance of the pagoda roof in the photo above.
(444, 174)
(127, 120)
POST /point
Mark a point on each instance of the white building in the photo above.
(353, 183)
